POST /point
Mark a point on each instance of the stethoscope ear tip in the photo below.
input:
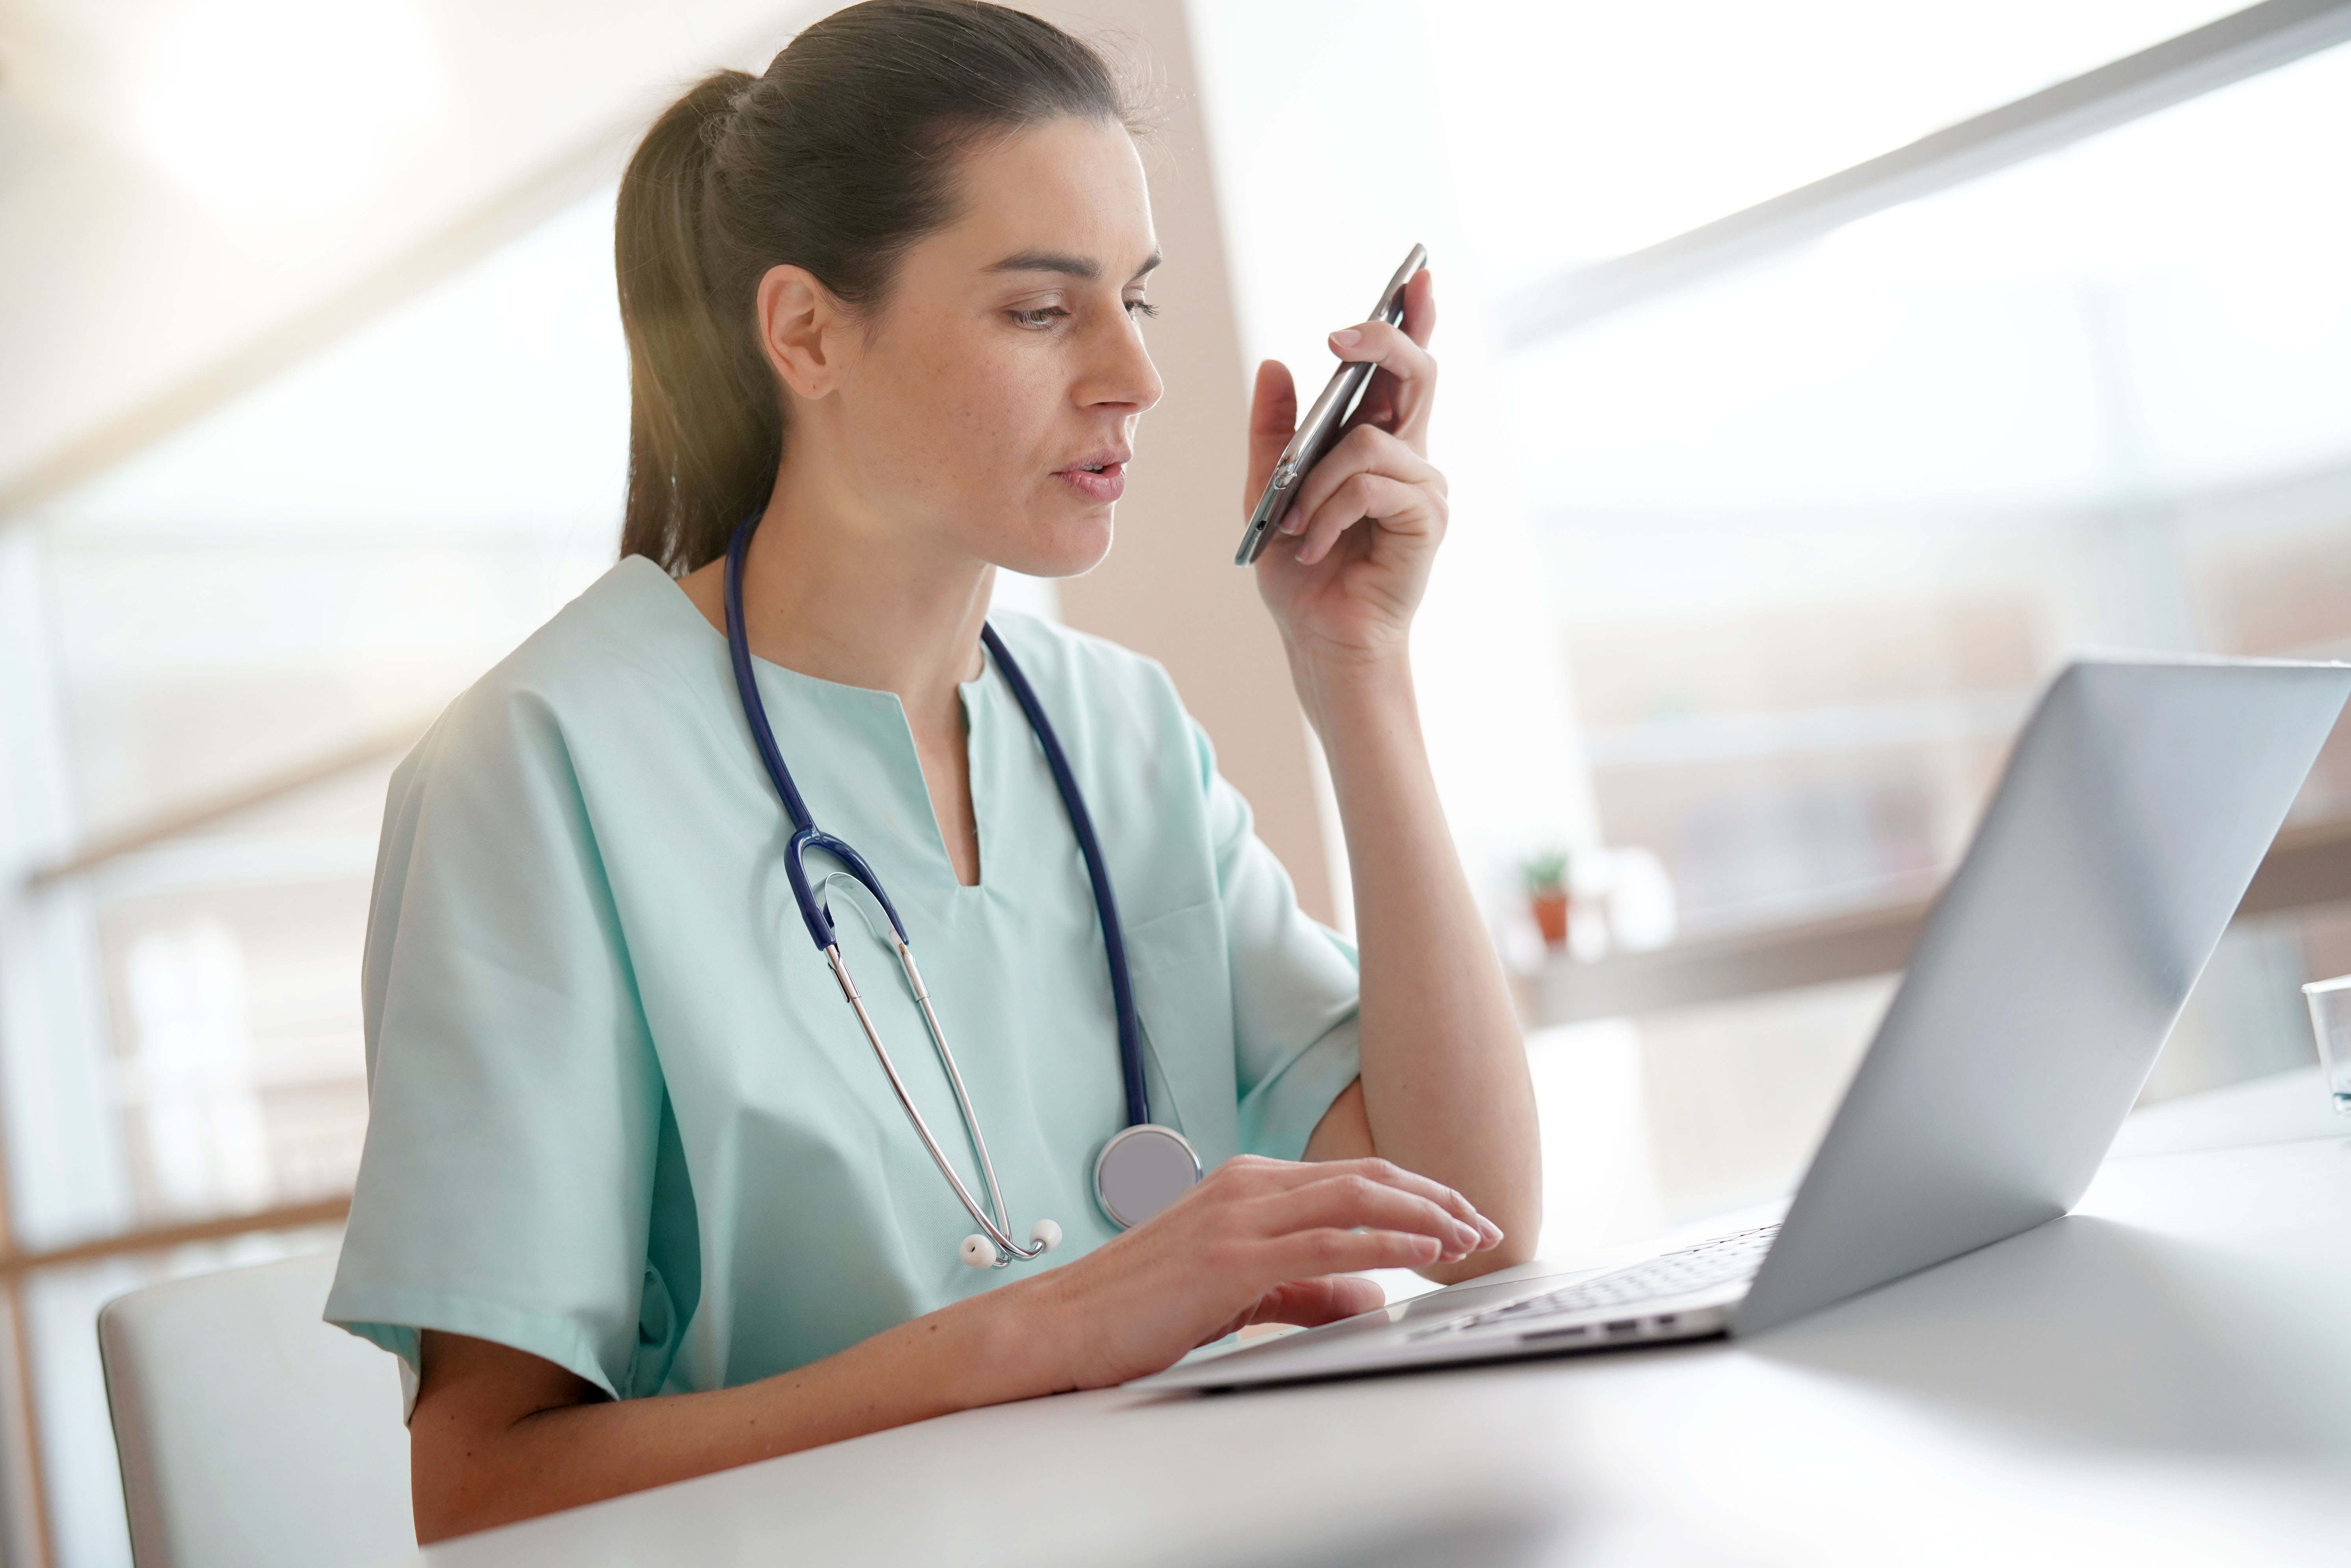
(980, 1252)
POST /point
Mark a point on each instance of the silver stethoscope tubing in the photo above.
(1139, 1171)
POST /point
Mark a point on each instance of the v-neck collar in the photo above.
(875, 717)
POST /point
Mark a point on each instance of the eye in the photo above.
(1142, 308)
(1036, 320)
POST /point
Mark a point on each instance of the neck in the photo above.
(833, 592)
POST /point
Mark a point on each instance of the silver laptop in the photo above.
(2140, 797)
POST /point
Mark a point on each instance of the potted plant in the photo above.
(1546, 880)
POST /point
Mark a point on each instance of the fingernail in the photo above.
(1469, 1239)
(1345, 337)
(1494, 1231)
(1294, 524)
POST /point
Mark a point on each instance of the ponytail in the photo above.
(832, 160)
(705, 427)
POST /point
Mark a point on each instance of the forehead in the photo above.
(1073, 186)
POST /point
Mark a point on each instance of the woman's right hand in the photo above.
(1258, 1240)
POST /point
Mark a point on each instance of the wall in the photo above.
(1169, 588)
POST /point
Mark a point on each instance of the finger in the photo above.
(1358, 1202)
(1351, 1201)
(1380, 403)
(1311, 1303)
(1391, 348)
(1306, 1303)
(1366, 498)
(1405, 509)
(1255, 1175)
(1360, 450)
(1420, 306)
(1273, 420)
(1404, 386)
(1309, 1254)
(1395, 1176)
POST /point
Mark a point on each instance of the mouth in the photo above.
(1100, 478)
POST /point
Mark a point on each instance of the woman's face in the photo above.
(989, 405)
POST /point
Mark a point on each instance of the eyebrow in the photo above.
(1062, 262)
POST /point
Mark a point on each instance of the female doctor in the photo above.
(630, 1137)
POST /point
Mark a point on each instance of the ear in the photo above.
(801, 330)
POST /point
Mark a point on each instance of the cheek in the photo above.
(1000, 407)
(975, 424)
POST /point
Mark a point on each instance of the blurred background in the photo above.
(1820, 376)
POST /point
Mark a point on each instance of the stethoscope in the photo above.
(1142, 1168)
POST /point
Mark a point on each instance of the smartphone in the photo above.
(1322, 423)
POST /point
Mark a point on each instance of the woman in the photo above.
(884, 306)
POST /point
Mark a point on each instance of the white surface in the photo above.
(252, 1433)
(2283, 1108)
(2159, 1377)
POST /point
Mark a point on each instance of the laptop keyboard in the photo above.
(1717, 1261)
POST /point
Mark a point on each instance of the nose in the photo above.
(1121, 374)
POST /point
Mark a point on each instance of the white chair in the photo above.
(252, 1433)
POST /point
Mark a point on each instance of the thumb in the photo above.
(1273, 420)
(1324, 1300)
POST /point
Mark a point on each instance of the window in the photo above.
(237, 634)
(1820, 527)
(1767, 563)
(1823, 526)
(1584, 131)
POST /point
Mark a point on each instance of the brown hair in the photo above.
(837, 159)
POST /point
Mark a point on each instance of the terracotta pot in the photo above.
(1551, 916)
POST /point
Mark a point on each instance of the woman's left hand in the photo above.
(1347, 571)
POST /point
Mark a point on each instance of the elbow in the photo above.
(481, 1448)
(466, 1475)
(462, 1494)
(435, 1525)
(444, 1505)
(1522, 1225)
(1516, 1247)
(440, 1519)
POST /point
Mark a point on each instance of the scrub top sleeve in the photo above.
(1295, 987)
(515, 1100)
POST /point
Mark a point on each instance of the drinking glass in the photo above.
(2330, 1020)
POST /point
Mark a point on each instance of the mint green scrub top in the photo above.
(621, 1117)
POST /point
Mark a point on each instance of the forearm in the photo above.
(1445, 1085)
(474, 1467)
(500, 1434)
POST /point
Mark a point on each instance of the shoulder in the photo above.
(1108, 691)
(609, 665)
(1055, 657)
(630, 627)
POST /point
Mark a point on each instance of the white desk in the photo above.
(2163, 1376)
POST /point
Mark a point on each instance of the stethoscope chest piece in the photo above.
(1143, 1170)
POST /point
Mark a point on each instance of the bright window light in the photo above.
(279, 106)
(1586, 129)
(2156, 309)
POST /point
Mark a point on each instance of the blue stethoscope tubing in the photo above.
(1151, 1151)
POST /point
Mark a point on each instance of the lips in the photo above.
(1100, 478)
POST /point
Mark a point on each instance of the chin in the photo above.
(1067, 549)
